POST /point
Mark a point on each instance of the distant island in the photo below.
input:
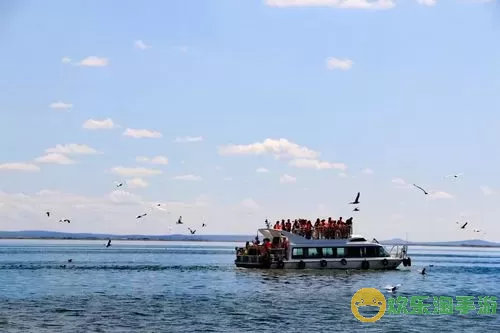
(40, 234)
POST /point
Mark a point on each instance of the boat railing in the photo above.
(255, 256)
(399, 251)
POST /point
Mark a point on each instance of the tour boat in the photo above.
(292, 251)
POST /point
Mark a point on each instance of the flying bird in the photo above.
(455, 175)
(477, 230)
(203, 225)
(192, 231)
(179, 221)
(356, 209)
(119, 184)
(65, 220)
(141, 216)
(463, 226)
(109, 243)
(425, 192)
(356, 201)
(48, 214)
(392, 289)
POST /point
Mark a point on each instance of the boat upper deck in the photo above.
(297, 240)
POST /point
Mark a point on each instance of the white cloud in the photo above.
(342, 64)
(66, 60)
(61, 106)
(343, 175)
(153, 160)
(287, 179)
(427, 2)
(439, 195)
(135, 172)
(188, 177)
(398, 181)
(368, 171)
(315, 164)
(277, 147)
(139, 44)
(186, 139)
(94, 61)
(486, 190)
(356, 4)
(54, 158)
(18, 166)
(141, 133)
(137, 183)
(73, 148)
(249, 203)
(262, 170)
(99, 124)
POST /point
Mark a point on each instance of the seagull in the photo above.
(119, 184)
(179, 221)
(477, 230)
(463, 226)
(356, 209)
(422, 271)
(48, 214)
(203, 225)
(455, 175)
(65, 220)
(356, 201)
(109, 243)
(392, 289)
(192, 231)
(70, 260)
(425, 192)
(141, 216)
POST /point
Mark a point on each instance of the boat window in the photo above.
(328, 252)
(383, 252)
(354, 252)
(313, 252)
(371, 252)
(340, 252)
(297, 253)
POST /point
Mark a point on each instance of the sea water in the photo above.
(195, 287)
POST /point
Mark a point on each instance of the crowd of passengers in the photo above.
(321, 229)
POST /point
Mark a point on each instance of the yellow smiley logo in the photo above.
(368, 297)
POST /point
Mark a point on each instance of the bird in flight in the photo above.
(119, 184)
(425, 192)
(48, 214)
(455, 175)
(65, 220)
(109, 243)
(203, 225)
(192, 231)
(477, 230)
(179, 221)
(356, 201)
(141, 216)
(356, 209)
(463, 226)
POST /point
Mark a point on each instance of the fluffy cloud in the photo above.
(486, 190)
(398, 181)
(427, 2)
(66, 60)
(439, 195)
(141, 133)
(187, 139)
(137, 183)
(73, 148)
(188, 178)
(287, 179)
(99, 124)
(355, 4)
(368, 171)
(262, 170)
(278, 147)
(315, 164)
(139, 44)
(342, 64)
(19, 167)
(94, 61)
(61, 105)
(54, 158)
(343, 175)
(135, 172)
(153, 160)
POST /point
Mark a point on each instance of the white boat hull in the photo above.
(349, 263)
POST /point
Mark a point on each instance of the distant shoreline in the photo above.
(195, 239)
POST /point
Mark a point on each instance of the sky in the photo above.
(229, 112)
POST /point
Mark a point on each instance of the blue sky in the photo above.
(412, 95)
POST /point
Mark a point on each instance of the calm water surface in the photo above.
(194, 287)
